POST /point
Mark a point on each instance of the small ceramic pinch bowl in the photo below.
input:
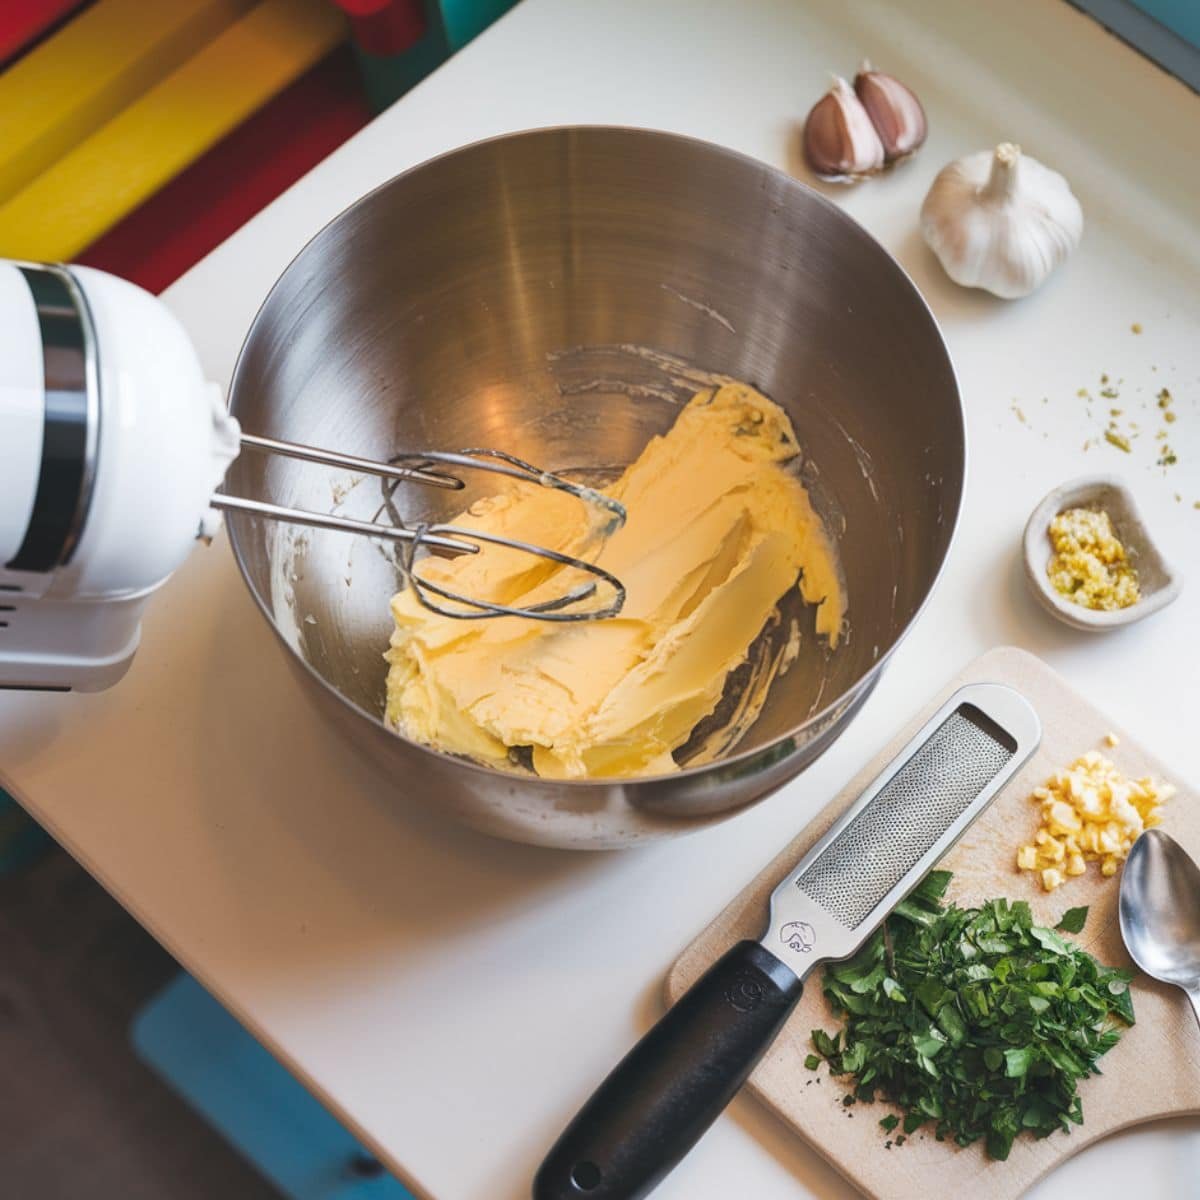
(1160, 583)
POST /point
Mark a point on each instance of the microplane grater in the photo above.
(906, 820)
(675, 1082)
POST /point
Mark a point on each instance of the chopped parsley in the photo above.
(1073, 920)
(973, 1019)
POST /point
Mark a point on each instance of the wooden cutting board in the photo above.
(1153, 1072)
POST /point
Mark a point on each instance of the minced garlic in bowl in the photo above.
(1090, 566)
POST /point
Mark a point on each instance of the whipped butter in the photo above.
(717, 532)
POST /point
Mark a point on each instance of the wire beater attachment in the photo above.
(423, 468)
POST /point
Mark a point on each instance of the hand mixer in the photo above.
(112, 448)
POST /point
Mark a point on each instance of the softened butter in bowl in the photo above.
(1083, 576)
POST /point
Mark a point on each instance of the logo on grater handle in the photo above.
(799, 936)
(745, 993)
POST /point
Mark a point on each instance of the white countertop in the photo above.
(454, 998)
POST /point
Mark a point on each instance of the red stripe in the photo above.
(385, 27)
(242, 174)
(22, 22)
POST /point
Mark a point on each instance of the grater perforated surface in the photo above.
(875, 851)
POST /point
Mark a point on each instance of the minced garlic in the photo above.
(1090, 812)
(1089, 565)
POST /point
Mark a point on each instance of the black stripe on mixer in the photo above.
(55, 521)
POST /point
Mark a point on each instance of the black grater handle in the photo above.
(664, 1094)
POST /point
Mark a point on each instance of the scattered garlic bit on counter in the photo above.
(1090, 812)
(1089, 564)
(1111, 739)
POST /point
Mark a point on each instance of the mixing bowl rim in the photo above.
(739, 756)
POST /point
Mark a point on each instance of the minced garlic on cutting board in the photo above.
(1090, 565)
(1090, 812)
(718, 531)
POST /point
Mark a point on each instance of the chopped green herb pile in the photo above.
(975, 1019)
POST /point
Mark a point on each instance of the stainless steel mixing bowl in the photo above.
(557, 293)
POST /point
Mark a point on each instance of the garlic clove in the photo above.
(1001, 221)
(894, 110)
(840, 142)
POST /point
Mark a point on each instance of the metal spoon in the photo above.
(1160, 912)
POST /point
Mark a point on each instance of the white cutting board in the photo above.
(1153, 1072)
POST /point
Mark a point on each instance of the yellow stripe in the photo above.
(86, 73)
(148, 143)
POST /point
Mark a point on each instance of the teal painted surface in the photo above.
(1166, 31)
(466, 19)
(189, 1039)
(22, 839)
(386, 79)
(1179, 16)
(452, 24)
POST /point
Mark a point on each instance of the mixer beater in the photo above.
(449, 539)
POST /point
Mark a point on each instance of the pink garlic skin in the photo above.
(894, 110)
(840, 142)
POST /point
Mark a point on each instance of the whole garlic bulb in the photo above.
(1001, 221)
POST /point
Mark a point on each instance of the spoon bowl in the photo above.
(1160, 912)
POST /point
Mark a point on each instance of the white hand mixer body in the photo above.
(112, 445)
